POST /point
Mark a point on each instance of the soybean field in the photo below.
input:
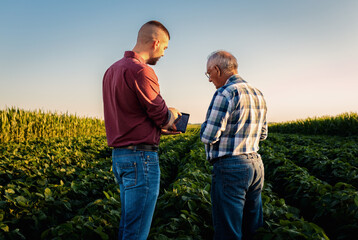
(56, 180)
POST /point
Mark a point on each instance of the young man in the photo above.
(135, 115)
(234, 125)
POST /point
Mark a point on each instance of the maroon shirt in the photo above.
(134, 110)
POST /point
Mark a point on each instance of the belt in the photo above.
(243, 155)
(141, 147)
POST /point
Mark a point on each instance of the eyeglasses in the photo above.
(217, 69)
(207, 73)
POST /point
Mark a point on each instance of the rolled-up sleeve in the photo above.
(264, 131)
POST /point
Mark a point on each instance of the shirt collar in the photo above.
(235, 78)
(131, 54)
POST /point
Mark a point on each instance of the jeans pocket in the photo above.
(128, 173)
(151, 158)
(235, 181)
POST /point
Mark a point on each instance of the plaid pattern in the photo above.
(235, 121)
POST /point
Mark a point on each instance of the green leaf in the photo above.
(48, 193)
(40, 195)
(106, 194)
(207, 187)
(42, 182)
(22, 201)
(103, 235)
(67, 205)
(4, 227)
(356, 200)
(11, 191)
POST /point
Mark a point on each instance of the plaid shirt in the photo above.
(235, 121)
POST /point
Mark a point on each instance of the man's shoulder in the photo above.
(229, 89)
(243, 87)
(132, 65)
(234, 90)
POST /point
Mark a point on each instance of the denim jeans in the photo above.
(138, 175)
(237, 182)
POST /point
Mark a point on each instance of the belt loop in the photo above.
(135, 148)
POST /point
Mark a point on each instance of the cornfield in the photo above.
(345, 124)
(19, 125)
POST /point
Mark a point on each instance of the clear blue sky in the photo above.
(303, 55)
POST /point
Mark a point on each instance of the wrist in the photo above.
(170, 120)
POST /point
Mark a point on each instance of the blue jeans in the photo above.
(237, 182)
(138, 175)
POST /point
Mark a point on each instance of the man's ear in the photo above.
(155, 44)
(218, 69)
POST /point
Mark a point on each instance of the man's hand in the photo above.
(175, 112)
(170, 132)
(174, 115)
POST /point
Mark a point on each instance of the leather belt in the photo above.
(141, 147)
(243, 155)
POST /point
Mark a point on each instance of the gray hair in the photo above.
(224, 60)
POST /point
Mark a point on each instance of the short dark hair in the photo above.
(159, 25)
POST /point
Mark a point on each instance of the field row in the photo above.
(54, 187)
(188, 197)
(331, 159)
(63, 188)
(333, 207)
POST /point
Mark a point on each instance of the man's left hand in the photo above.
(170, 132)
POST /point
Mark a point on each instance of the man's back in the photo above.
(236, 120)
(248, 116)
(133, 107)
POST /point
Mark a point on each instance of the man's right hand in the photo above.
(174, 115)
(177, 115)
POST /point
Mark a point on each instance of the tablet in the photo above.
(182, 122)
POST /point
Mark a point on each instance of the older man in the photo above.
(135, 114)
(234, 125)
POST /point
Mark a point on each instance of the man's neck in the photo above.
(142, 53)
